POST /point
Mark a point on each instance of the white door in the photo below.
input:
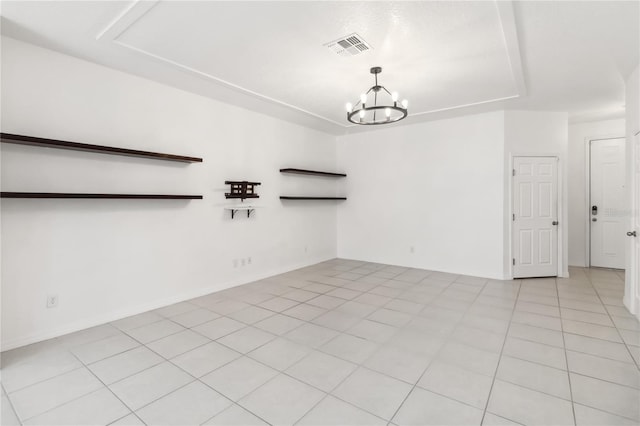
(535, 217)
(607, 203)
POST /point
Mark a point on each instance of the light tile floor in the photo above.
(347, 342)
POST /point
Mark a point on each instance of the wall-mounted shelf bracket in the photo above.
(236, 209)
(241, 189)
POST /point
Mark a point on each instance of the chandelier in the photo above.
(371, 109)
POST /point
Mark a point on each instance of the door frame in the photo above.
(631, 297)
(562, 226)
(587, 196)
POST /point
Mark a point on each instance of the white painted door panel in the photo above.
(535, 209)
(608, 225)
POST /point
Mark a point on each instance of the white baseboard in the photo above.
(632, 304)
(498, 276)
(138, 309)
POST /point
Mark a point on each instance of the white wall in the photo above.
(436, 186)
(537, 133)
(632, 102)
(110, 258)
(441, 188)
(579, 136)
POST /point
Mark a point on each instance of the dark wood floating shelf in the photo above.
(312, 172)
(77, 146)
(98, 196)
(242, 197)
(283, 197)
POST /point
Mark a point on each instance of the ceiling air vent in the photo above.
(349, 45)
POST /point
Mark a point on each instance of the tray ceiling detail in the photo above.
(447, 58)
(439, 55)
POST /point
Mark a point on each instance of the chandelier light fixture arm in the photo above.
(362, 114)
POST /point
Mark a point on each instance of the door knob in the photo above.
(594, 220)
(631, 234)
(554, 223)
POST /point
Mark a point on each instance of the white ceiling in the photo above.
(448, 58)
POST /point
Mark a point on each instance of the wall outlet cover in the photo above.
(52, 300)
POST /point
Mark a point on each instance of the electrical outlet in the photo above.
(249, 260)
(52, 300)
(243, 262)
(235, 263)
(412, 249)
(306, 249)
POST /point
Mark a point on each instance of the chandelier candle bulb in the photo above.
(382, 100)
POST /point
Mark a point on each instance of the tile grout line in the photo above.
(15, 413)
(215, 390)
(48, 378)
(124, 331)
(166, 359)
(442, 290)
(123, 417)
(312, 349)
(606, 412)
(161, 357)
(199, 379)
(376, 307)
(435, 355)
(361, 365)
(616, 327)
(570, 332)
(504, 343)
(85, 367)
(112, 392)
(234, 403)
(106, 386)
(566, 359)
(626, 346)
(282, 372)
(195, 379)
(358, 366)
(563, 370)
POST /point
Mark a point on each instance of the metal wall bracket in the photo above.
(235, 209)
